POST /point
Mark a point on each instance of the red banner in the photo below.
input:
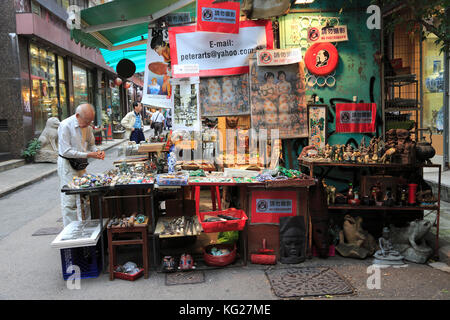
(218, 17)
(355, 117)
(269, 206)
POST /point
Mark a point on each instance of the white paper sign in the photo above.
(278, 57)
(185, 70)
(219, 54)
(327, 34)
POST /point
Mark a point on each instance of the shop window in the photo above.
(80, 86)
(44, 90)
(433, 91)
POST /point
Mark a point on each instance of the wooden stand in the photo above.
(137, 229)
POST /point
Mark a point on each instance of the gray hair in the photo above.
(82, 109)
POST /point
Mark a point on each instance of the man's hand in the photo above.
(97, 155)
(132, 129)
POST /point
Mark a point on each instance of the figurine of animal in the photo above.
(410, 242)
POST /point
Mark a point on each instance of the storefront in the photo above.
(278, 120)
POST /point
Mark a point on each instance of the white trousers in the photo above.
(73, 207)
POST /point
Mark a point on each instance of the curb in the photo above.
(45, 175)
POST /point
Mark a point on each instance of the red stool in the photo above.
(215, 196)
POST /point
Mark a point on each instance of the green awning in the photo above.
(109, 15)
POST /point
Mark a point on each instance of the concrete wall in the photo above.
(10, 81)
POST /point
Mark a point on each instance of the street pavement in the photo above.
(31, 269)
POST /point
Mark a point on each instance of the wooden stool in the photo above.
(215, 195)
(136, 229)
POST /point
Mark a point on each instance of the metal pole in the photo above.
(446, 106)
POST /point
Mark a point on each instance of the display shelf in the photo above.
(397, 166)
(393, 208)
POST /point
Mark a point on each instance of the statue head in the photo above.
(292, 239)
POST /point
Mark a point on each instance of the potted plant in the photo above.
(30, 152)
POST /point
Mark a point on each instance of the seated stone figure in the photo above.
(410, 241)
(49, 142)
(354, 242)
(387, 254)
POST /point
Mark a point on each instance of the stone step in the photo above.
(11, 164)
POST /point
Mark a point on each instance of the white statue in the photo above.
(49, 142)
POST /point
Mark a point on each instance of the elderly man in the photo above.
(76, 143)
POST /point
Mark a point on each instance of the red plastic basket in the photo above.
(219, 261)
(129, 277)
(222, 226)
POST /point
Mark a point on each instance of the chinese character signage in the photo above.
(270, 206)
(278, 57)
(220, 54)
(327, 34)
(355, 117)
(218, 17)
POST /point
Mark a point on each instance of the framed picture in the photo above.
(278, 99)
(317, 125)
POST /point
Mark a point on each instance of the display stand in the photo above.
(387, 166)
(141, 191)
(138, 229)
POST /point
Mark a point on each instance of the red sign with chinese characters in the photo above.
(270, 206)
(218, 17)
(355, 117)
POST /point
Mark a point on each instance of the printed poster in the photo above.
(157, 88)
(224, 96)
(185, 104)
(355, 117)
(218, 17)
(270, 206)
(220, 54)
(277, 99)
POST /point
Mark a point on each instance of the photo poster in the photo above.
(157, 87)
(225, 96)
(186, 109)
(317, 121)
(278, 99)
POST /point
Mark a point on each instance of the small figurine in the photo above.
(387, 255)
(348, 153)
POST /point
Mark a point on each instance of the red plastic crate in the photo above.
(222, 226)
(129, 277)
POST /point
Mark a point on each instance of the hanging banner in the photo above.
(220, 54)
(355, 117)
(327, 34)
(278, 57)
(218, 17)
(157, 89)
(270, 206)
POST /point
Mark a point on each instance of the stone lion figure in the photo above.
(410, 242)
(49, 142)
